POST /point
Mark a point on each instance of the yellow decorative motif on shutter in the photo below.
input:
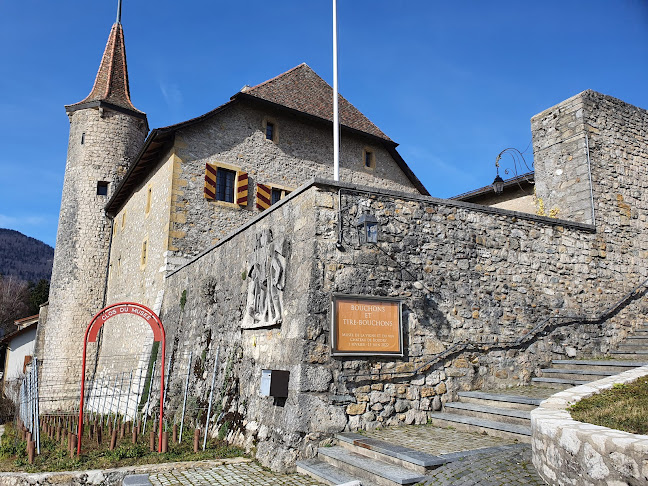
(263, 196)
(210, 181)
(241, 188)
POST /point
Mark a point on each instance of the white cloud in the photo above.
(172, 94)
(12, 221)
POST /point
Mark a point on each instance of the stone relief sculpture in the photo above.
(266, 281)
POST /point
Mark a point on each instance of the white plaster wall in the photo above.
(19, 347)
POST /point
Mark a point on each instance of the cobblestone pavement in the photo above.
(436, 440)
(239, 474)
(508, 466)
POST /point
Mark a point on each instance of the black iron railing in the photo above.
(549, 322)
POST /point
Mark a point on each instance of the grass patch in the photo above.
(13, 455)
(623, 407)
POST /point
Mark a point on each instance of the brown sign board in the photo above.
(366, 325)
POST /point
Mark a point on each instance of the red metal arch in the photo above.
(122, 308)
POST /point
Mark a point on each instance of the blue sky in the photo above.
(453, 82)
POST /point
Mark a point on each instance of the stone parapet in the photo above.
(569, 452)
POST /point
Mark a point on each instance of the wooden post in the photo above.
(134, 434)
(196, 439)
(98, 434)
(165, 441)
(152, 441)
(31, 446)
(113, 440)
(73, 445)
(175, 433)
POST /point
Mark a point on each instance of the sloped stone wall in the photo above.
(463, 272)
(569, 452)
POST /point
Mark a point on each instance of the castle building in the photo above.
(135, 208)
(229, 227)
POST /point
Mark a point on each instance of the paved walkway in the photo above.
(239, 474)
(509, 466)
(436, 440)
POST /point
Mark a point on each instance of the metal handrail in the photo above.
(499, 345)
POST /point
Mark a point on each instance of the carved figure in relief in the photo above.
(267, 279)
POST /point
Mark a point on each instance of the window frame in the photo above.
(370, 154)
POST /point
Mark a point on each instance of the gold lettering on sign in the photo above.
(367, 326)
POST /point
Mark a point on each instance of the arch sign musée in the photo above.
(366, 325)
(122, 308)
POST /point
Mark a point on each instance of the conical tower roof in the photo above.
(111, 84)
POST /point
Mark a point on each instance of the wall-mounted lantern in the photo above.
(498, 184)
(367, 226)
(518, 160)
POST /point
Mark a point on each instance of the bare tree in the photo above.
(14, 301)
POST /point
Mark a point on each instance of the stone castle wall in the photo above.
(465, 273)
(100, 147)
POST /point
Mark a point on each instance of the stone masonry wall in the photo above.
(202, 311)
(569, 452)
(100, 148)
(466, 274)
(463, 272)
(561, 161)
(144, 218)
(236, 137)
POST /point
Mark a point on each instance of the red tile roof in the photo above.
(302, 89)
(111, 83)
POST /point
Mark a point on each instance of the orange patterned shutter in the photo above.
(210, 181)
(263, 196)
(241, 188)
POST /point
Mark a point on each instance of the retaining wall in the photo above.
(569, 452)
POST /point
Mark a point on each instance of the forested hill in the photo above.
(27, 258)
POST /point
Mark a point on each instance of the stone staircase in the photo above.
(503, 414)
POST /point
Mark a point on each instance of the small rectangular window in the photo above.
(368, 159)
(225, 182)
(278, 195)
(143, 262)
(270, 131)
(102, 188)
(82, 138)
(148, 200)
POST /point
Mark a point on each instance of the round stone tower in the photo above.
(106, 134)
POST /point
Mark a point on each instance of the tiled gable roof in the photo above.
(111, 83)
(303, 90)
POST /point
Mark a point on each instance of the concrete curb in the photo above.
(115, 476)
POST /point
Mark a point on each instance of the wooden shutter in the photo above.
(210, 181)
(263, 198)
(241, 188)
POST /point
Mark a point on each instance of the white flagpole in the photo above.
(336, 120)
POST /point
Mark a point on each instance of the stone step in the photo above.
(521, 433)
(324, 472)
(560, 381)
(575, 374)
(637, 355)
(411, 459)
(634, 339)
(365, 468)
(499, 414)
(500, 400)
(628, 347)
(612, 365)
